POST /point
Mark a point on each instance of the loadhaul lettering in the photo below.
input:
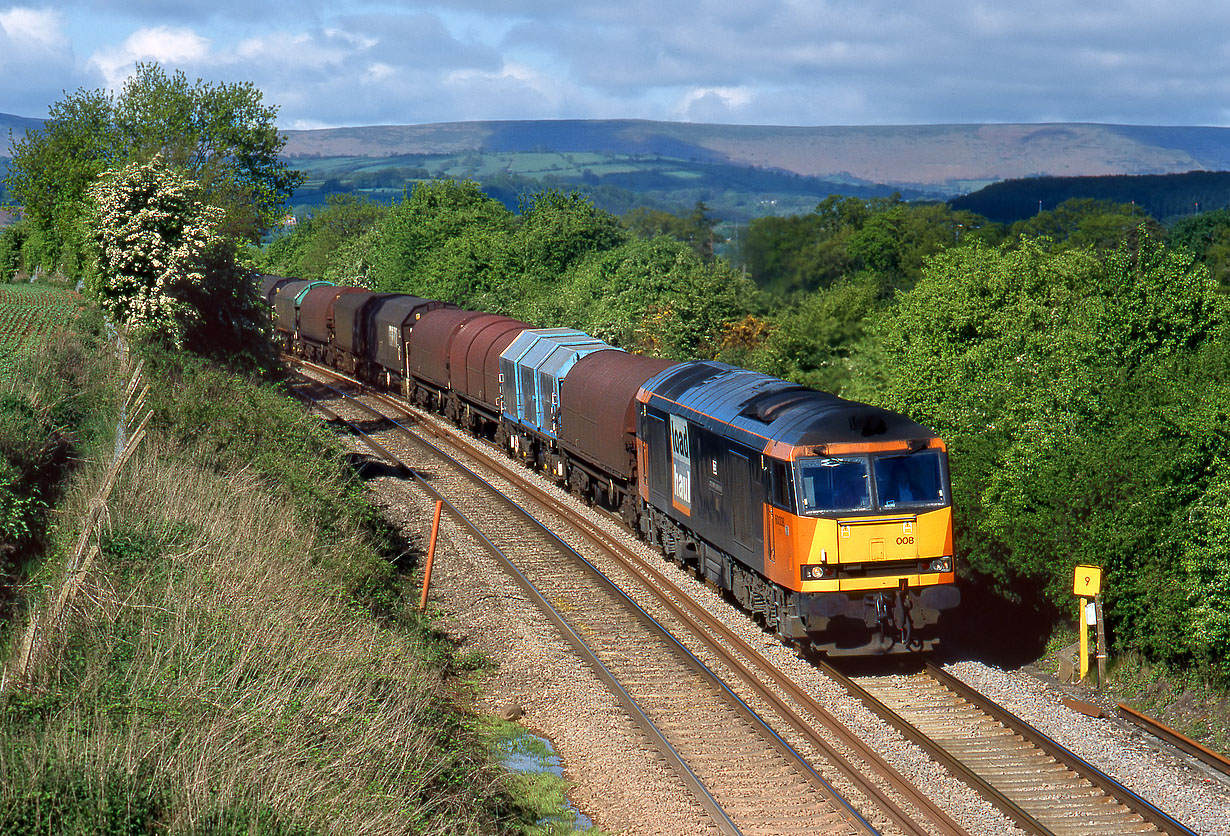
(681, 465)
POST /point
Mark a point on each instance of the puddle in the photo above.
(528, 753)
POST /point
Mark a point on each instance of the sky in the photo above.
(768, 62)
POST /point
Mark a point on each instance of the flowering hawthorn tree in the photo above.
(153, 240)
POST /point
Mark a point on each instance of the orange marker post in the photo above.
(431, 555)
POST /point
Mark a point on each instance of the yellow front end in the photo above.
(859, 553)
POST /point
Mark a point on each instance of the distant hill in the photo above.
(1163, 196)
(951, 159)
(745, 170)
(18, 125)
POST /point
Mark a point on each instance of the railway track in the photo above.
(1042, 787)
(1038, 783)
(1193, 749)
(747, 777)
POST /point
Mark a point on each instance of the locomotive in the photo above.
(828, 520)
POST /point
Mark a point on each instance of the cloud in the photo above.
(36, 61)
(169, 46)
(776, 61)
(31, 31)
(713, 104)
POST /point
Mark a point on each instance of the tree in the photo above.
(1086, 222)
(162, 270)
(812, 339)
(696, 229)
(52, 169)
(1082, 418)
(885, 236)
(655, 296)
(557, 229)
(319, 245)
(1208, 236)
(221, 136)
(420, 226)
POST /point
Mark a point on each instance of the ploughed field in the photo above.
(29, 315)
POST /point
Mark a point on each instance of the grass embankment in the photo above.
(237, 654)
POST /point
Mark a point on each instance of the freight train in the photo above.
(829, 520)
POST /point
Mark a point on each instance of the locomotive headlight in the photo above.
(941, 564)
(816, 573)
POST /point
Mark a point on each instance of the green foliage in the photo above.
(442, 221)
(221, 135)
(814, 338)
(843, 236)
(51, 170)
(696, 229)
(557, 230)
(1208, 236)
(12, 238)
(73, 803)
(324, 243)
(654, 296)
(1065, 385)
(54, 409)
(1085, 222)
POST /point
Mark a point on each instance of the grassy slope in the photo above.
(239, 656)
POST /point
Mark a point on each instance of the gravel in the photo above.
(622, 785)
(1189, 791)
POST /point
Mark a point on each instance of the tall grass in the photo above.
(237, 661)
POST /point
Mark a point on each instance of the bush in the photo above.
(1081, 397)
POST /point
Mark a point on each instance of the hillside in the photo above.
(17, 126)
(643, 157)
(946, 158)
(1163, 196)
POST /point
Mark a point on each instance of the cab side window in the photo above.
(783, 486)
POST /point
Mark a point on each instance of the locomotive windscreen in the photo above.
(834, 485)
(841, 484)
(909, 479)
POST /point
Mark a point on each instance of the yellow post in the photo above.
(1084, 631)
(1086, 582)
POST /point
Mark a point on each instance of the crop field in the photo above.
(29, 314)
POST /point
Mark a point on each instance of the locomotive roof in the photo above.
(765, 412)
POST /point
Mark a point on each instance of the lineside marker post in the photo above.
(1097, 604)
(431, 554)
(1084, 651)
(1087, 583)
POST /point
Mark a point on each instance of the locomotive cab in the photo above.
(829, 519)
(867, 533)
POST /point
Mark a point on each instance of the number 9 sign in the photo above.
(1088, 581)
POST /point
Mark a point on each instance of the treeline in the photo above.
(615, 182)
(558, 261)
(1159, 195)
(1077, 363)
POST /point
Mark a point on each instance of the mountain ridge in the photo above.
(950, 159)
